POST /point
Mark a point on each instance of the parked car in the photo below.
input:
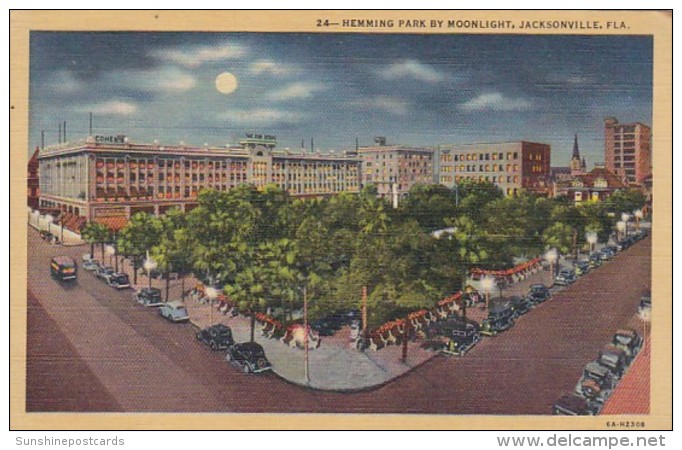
(629, 340)
(644, 304)
(174, 311)
(582, 267)
(463, 337)
(500, 318)
(90, 265)
(118, 281)
(596, 383)
(607, 253)
(148, 297)
(250, 356)
(538, 293)
(565, 277)
(595, 259)
(218, 337)
(104, 272)
(63, 268)
(520, 305)
(615, 359)
(572, 405)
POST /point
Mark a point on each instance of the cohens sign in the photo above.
(120, 139)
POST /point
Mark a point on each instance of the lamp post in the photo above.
(621, 226)
(487, 284)
(551, 257)
(625, 217)
(592, 239)
(212, 294)
(639, 214)
(149, 265)
(109, 251)
(305, 335)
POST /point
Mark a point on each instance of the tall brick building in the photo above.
(627, 150)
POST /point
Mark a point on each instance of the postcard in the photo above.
(367, 219)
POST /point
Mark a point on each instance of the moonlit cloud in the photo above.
(495, 101)
(382, 103)
(261, 116)
(111, 108)
(196, 56)
(295, 90)
(164, 79)
(266, 66)
(412, 69)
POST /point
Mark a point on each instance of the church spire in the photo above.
(576, 152)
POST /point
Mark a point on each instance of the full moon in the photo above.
(226, 83)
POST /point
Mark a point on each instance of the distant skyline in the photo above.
(414, 89)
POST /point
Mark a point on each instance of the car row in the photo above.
(249, 356)
(118, 280)
(600, 377)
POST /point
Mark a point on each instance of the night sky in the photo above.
(413, 89)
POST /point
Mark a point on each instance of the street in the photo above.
(91, 348)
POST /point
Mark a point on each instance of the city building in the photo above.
(33, 181)
(595, 185)
(394, 169)
(512, 166)
(627, 150)
(106, 179)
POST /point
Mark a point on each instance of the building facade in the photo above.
(107, 179)
(595, 185)
(33, 182)
(394, 169)
(627, 150)
(511, 166)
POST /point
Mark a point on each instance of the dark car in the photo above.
(118, 281)
(148, 297)
(329, 325)
(629, 340)
(218, 337)
(453, 336)
(565, 277)
(596, 382)
(104, 272)
(538, 293)
(249, 356)
(572, 405)
(595, 259)
(644, 304)
(607, 253)
(615, 359)
(500, 317)
(63, 268)
(520, 305)
(582, 267)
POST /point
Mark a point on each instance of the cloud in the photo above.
(392, 105)
(65, 82)
(163, 79)
(269, 67)
(412, 69)
(295, 90)
(261, 116)
(112, 108)
(495, 101)
(197, 55)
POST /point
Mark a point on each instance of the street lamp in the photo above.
(487, 284)
(592, 239)
(625, 217)
(109, 250)
(639, 214)
(621, 226)
(149, 265)
(551, 256)
(212, 294)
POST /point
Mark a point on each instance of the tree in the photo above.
(473, 197)
(95, 233)
(469, 246)
(625, 201)
(142, 232)
(428, 205)
(560, 236)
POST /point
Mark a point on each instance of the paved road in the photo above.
(91, 348)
